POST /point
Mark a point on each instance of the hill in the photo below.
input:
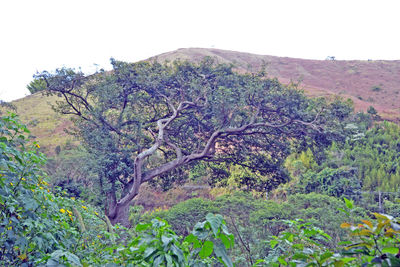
(45, 124)
(367, 83)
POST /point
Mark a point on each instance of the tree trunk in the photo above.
(121, 215)
(117, 212)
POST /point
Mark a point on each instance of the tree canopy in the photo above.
(144, 120)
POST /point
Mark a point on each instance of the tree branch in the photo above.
(160, 139)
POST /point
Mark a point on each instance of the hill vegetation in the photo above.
(197, 164)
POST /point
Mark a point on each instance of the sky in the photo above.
(48, 34)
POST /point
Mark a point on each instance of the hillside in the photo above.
(355, 79)
(45, 124)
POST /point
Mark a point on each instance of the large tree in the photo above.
(145, 120)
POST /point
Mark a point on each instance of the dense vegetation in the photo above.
(148, 121)
(289, 181)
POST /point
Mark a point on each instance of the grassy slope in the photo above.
(48, 126)
(352, 79)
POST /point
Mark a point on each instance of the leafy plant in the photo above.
(377, 241)
(31, 224)
(157, 245)
(302, 245)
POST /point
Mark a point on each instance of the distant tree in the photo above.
(143, 121)
(376, 88)
(36, 85)
(371, 110)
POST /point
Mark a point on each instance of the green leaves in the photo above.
(212, 237)
(349, 203)
(156, 244)
(33, 229)
(215, 222)
(59, 257)
(207, 249)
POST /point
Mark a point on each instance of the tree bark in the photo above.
(121, 215)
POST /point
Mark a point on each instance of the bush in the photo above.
(376, 88)
(184, 215)
(36, 226)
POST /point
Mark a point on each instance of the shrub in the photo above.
(376, 88)
(36, 226)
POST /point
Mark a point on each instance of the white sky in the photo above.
(43, 35)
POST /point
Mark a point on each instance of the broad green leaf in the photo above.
(166, 240)
(158, 261)
(349, 203)
(282, 261)
(141, 227)
(149, 251)
(324, 257)
(206, 249)
(73, 259)
(221, 254)
(169, 260)
(298, 256)
(346, 260)
(215, 222)
(344, 243)
(193, 240)
(178, 252)
(273, 243)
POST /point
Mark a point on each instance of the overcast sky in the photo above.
(43, 35)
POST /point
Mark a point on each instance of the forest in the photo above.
(198, 164)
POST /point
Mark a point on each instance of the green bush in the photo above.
(253, 221)
(36, 226)
(184, 215)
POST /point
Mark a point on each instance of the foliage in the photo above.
(36, 85)
(254, 220)
(157, 245)
(302, 245)
(143, 121)
(185, 214)
(377, 240)
(38, 226)
(370, 243)
(31, 224)
(75, 172)
(376, 156)
(366, 162)
(371, 110)
(41, 227)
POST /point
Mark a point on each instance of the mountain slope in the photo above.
(43, 122)
(368, 83)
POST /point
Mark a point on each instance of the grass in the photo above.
(44, 123)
